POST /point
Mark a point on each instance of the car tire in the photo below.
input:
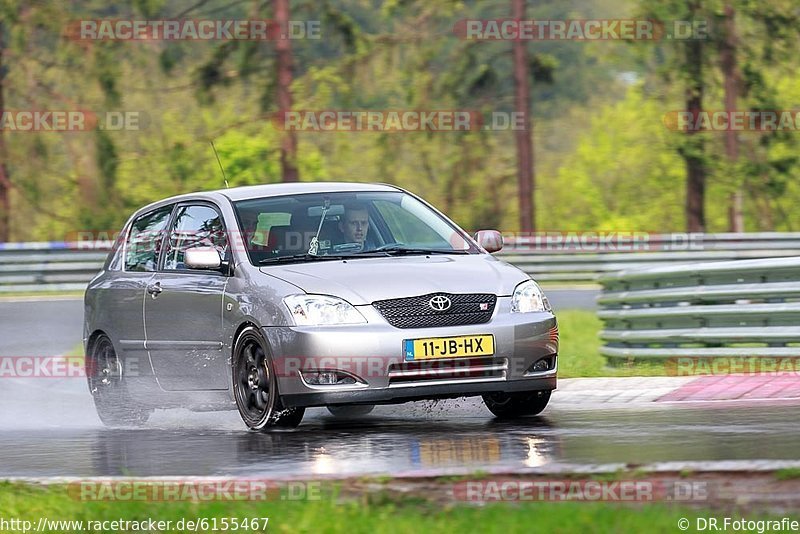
(108, 386)
(255, 386)
(351, 411)
(510, 405)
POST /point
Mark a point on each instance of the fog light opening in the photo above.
(542, 365)
(329, 378)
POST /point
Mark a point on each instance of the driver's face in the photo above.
(355, 226)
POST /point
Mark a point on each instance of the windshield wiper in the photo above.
(401, 251)
(299, 258)
(315, 257)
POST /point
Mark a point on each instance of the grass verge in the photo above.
(579, 350)
(29, 503)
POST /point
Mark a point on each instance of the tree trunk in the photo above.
(283, 49)
(693, 152)
(523, 137)
(731, 76)
(5, 180)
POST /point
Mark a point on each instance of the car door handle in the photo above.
(155, 289)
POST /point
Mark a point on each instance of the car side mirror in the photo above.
(490, 240)
(205, 258)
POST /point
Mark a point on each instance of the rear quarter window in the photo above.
(143, 244)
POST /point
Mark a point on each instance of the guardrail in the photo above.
(565, 257)
(547, 257)
(32, 267)
(747, 308)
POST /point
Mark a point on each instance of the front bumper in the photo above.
(407, 394)
(373, 353)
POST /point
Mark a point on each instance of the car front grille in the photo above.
(416, 312)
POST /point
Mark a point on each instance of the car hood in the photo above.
(365, 280)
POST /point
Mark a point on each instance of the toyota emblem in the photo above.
(440, 303)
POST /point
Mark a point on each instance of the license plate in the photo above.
(448, 347)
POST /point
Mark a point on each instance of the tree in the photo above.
(730, 73)
(283, 64)
(683, 63)
(523, 137)
(5, 180)
(754, 68)
(693, 151)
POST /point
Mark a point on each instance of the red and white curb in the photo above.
(691, 389)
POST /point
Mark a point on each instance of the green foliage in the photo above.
(604, 158)
(787, 473)
(247, 160)
(107, 72)
(107, 160)
(624, 174)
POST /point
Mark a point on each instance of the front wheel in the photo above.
(510, 405)
(255, 386)
(107, 383)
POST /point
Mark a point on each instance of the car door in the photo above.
(183, 309)
(123, 299)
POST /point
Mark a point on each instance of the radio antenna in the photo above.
(220, 165)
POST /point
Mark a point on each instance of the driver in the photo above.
(354, 224)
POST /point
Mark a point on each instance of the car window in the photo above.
(144, 240)
(406, 226)
(194, 226)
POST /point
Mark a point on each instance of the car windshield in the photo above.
(318, 226)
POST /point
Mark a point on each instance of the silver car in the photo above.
(270, 299)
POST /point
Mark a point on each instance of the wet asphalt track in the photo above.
(48, 428)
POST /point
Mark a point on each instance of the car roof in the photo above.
(235, 194)
(269, 190)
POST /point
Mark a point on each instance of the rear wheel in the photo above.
(107, 383)
(509, 405)
(255, 386)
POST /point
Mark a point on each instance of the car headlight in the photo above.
(317, 310)
(529, 297)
